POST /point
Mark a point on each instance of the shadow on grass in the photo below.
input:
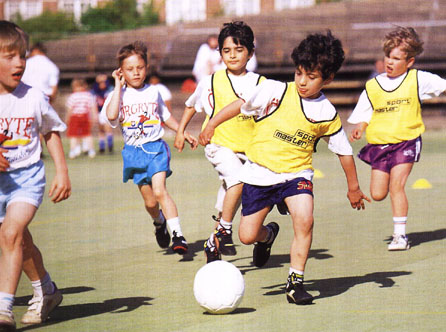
(335, 286)
(194, 249)
(77, 311)
(237, 311)
(417, 238)
(276, 261)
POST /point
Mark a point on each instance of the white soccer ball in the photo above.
(219, 287)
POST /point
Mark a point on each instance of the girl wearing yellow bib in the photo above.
(389, 111)
(289, 121)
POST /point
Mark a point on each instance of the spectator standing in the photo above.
(101, 89)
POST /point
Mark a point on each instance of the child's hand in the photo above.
(119, 78)
(355, 134)
(60, 188)
(192, 140)
(356, 198)
(179, 141)
(206, 135)
(4, 163)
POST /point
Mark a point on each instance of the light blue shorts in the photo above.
(22, 185)
(142, 162)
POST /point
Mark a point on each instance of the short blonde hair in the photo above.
(12, 38)
(406, 37)
(137, 47)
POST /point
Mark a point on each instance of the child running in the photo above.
(140, 111)
(24, 113)
(290, 118)
(227, 148)
(389, 111)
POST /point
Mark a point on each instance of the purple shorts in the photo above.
(256, 198)
(385, 156)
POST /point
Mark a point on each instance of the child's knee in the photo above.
(378, 195)
(10, 237)
(245, 236)
(304, 224)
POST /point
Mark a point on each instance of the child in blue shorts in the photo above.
(290, 119)
(140, 111)
(389, 112)
(24, 114)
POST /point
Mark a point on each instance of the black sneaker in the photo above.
(262, 250)
(179, 244)
(225, 244)
(162, 235)
(212, 253)
(295, 291)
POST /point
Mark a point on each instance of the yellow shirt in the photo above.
(396, 114)
(284, 140)
(235, 133)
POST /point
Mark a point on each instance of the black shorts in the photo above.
(256, 198)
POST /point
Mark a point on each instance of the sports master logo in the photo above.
(300, 138)
(394, 105)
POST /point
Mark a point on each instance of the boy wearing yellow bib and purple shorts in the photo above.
(389, 111)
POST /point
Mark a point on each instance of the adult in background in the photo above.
(208, 58)
(41, 72)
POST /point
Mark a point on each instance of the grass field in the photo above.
(100, 249)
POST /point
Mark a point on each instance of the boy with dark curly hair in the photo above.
(290, 119)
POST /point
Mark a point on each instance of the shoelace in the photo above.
(36, 304)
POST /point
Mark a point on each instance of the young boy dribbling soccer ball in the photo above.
(290, 118)
(389, 111)
(24, 114)
(140, 110)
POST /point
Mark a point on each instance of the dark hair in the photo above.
(12, 37)
(241, 34)
(319, 52)
(137, 47)
(38, 46)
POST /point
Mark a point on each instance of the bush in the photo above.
(48, 26)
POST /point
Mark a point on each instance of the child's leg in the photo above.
(301, 210)
(398, 179)
(18, 216)
(88, 146)
(379, 184)
(101, 138)
(231, 202)
(162, 196)
(251, 228)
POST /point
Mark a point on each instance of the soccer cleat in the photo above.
(224, 241)
(41, 307)
(211, 251)
(295, 291)
(7, 322)
(399, 242)
(162, 235)
(179, 244)
(262, 250)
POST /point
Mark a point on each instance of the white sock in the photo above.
(174, 226)
(399, 225)
(225, 224)
(44, 286)
(6, 301)
(299, 274)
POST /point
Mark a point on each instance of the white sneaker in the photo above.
(40, 307)
(7, 321)
(399, 242)
(91, 153)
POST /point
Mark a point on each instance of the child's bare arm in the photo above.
(172, 123)
(354, 194)
(60, 188)
(226, 113)
(112, 110)
(357, 131)
(189, 112)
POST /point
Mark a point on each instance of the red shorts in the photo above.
(79, 126)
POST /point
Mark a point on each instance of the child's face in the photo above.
(234, 56)
(134, 70)
(396, 63)
(309, 84)
(12, 66)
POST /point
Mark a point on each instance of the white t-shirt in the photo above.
(263, 100)
(429, 86)
(202, 99)
(164, 91)
(41, 73)
(24, 114)
(141, 113)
